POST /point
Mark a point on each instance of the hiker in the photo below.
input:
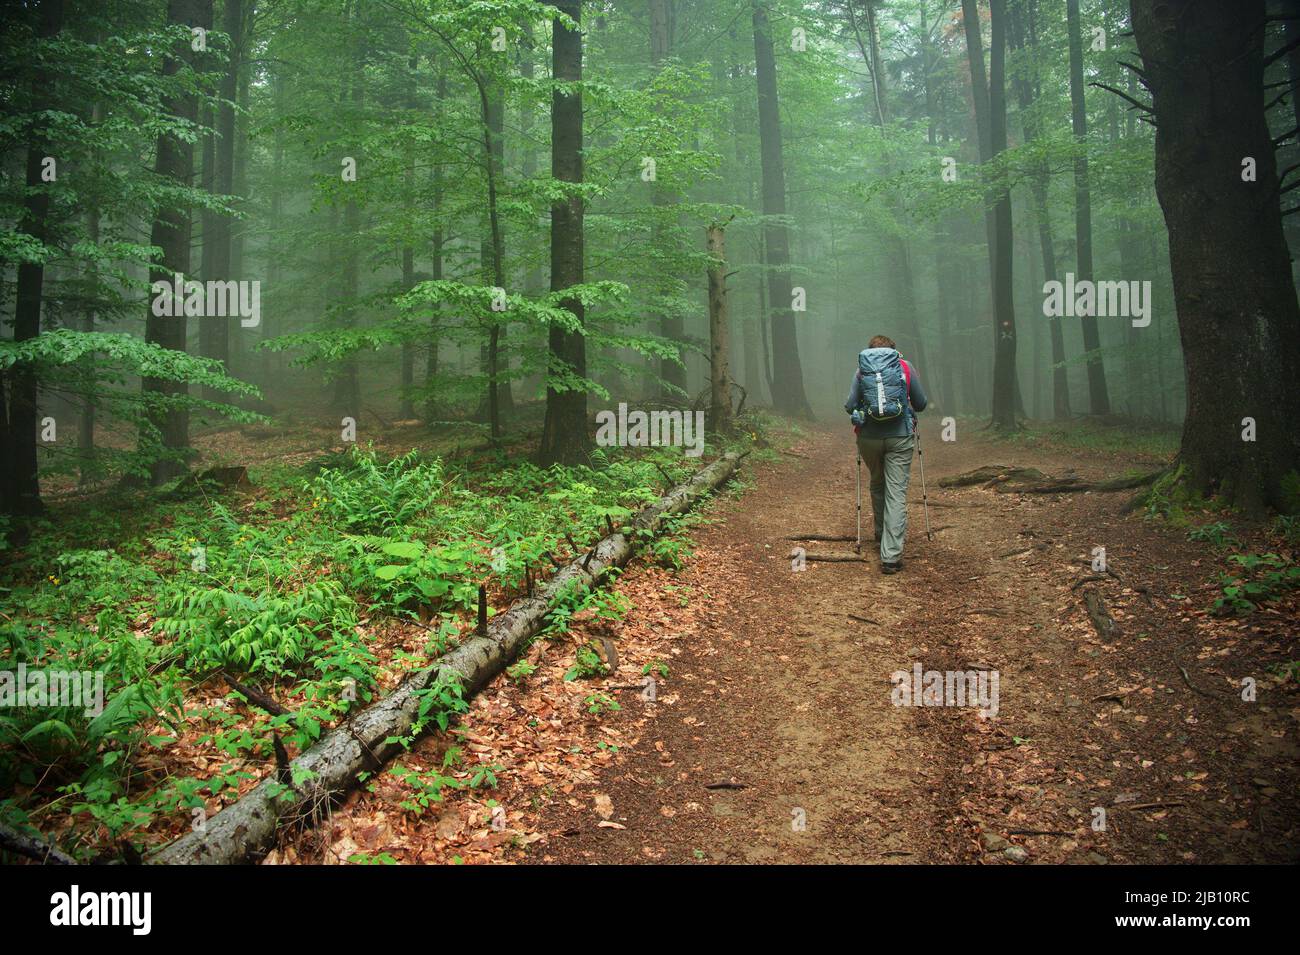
(883, 402)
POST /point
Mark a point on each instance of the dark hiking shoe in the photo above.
(893, 568)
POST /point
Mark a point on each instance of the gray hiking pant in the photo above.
(890, 462)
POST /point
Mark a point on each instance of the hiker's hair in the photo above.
(881, 341)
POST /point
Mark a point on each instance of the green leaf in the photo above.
(409, 550)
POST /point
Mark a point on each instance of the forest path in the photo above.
(775, 688)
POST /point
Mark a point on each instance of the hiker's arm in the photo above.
(852, 403)
(917, 393)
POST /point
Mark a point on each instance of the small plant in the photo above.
(1216, 533)
(1287, 526)
(521, 670)
(425, 787)
(1263, 578)
(586, 664)
(655, 667)
(598, 703)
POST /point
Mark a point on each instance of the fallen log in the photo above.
(246, 829)
(33, 847)
(1010, 480)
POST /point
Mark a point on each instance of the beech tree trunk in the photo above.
(1233, 288)
(1005, 392)
(565, 438)
(214, 330)
(1098, 396)
(671, 327)
(1028, 94)
(171, 232)
(787, 375)
(23, 492)
(719, 330)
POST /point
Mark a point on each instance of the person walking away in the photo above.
(883, 402)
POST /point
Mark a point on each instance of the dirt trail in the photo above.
(779, 695)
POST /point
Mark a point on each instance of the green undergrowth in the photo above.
(283, 590)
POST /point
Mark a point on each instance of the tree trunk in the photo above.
(1233, 288)
(171, 233)
(1028, 94)
(273, 362)
(942, 244)
(214, 330)
(1098, 397)
(406, 409)
(237, 358)
(492, 102)
(719, 330)
(86, 423)
(672, 371)
(565, 439)
(787, 375)
(347, 387)
(1005, 393)
(431, 359)
(23, 495)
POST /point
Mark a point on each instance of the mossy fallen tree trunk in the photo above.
(1008, 480)
(245, 830)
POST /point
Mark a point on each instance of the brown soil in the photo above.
(778, 689)
(774, 737)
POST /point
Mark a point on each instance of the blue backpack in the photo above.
(884, 378)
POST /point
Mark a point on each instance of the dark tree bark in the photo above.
(22, 491)
(970, 16)
(1028, 93)
(347, 386)
(671, 327)
(171, 232)
(270, 323)
(1237, 312)
(719, 330)
(494, 249)
(942, 241)
(565, 439)
(431, 359)
(406, 409)
(787, 374)
(214, 331)
(1098, 396)
(239, 186)
(1005, 395)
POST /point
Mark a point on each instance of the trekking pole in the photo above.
(925, 505)
(857, 547)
